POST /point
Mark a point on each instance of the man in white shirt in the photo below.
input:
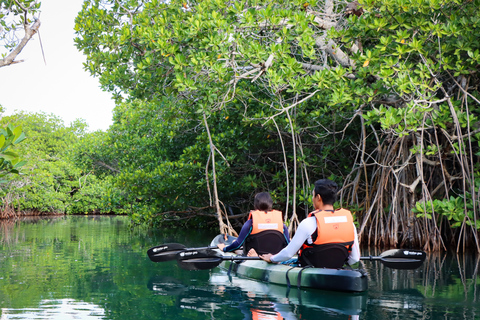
(324, 228)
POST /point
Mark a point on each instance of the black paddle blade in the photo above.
(199, 259)
(165, 252)
(403, 258)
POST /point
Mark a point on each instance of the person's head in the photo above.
(327, 190)
(263, 201)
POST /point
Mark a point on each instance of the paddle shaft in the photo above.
(395, 259)
(241, 258)
(371, 258)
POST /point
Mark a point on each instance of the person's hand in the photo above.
(267, 257)
(221, 246)
(252, 253)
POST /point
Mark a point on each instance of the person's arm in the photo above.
(304, 230)
(246, 229)
(354, 256)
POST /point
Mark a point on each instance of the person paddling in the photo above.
(264, 231)
(327, 237)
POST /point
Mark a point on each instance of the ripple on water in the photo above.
(63, 309)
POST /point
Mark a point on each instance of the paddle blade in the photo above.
(198, 259)
(165, 252)
(403, 258)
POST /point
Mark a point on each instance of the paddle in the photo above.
(205, 259)
(208, 259)
(168, 251)
(400, 258)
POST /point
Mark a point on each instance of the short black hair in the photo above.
(327, 189)
(263, 201)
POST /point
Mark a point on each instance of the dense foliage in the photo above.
(10, 161)
(219, 100)
(380, 96)
(50, 181)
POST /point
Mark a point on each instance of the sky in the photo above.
(61, 86)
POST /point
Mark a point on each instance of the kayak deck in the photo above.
(318, 278)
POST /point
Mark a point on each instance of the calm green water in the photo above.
(97, 268)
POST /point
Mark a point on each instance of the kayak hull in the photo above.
(317, 278)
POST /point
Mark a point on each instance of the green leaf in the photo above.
(9, 155)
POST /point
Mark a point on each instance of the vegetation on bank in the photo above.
(49, 181)
(219, 100)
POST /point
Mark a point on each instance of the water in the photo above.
(84, 267)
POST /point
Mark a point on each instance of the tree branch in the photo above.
(29, 33)
(103, 164)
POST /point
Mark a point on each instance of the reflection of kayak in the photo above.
(337, 302)
(316, 278)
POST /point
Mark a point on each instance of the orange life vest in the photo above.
(332, 240)
(266, 220)
(333, 227)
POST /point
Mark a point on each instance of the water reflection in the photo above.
(446, 286)
(166, 286)
(63, 309)
(452, 274)
(58, 268)
(257, 300)
(291, 303)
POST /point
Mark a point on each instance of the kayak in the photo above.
(347, 280)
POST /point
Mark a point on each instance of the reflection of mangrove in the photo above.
(440, 271)
(410, 300)
(7, 226)
(56, 309)
(448, 273)
(443, 277)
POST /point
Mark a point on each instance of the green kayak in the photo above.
(348, 280)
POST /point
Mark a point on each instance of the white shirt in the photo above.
(304, 231)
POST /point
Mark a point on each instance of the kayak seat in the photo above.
(330, 255)
(268, 241)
